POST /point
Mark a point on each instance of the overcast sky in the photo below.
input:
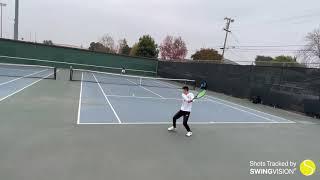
(198, 22)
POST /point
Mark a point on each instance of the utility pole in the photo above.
(2, 5)
(229, 21)
(16, 21)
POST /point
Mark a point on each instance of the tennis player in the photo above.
(187, 99)
(123, 70)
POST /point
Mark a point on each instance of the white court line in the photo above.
(166, 84)
(21, 77)
(241, 110)
(145, 123)
(80, 100)
(108, 89)
(253, 122)
(114, 112)
(249, 108)
(24, 88)
(175, 86)
(145, 88)
(22, 65)
(143, 97)
(156, 98)
(238, 108)
(15, 69)
(193, 123)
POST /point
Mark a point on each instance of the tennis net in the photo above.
(27, 71)
(76, 65)
(130, 80)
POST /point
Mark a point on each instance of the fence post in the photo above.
(157, 67)
(281, 75)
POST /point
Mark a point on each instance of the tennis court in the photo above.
(107, 98)
(15, 78)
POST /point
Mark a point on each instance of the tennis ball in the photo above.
(308, 167)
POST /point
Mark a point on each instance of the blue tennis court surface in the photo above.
(111, 103)
(15, 78)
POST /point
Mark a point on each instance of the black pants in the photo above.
(185, 115)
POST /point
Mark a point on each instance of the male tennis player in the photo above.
(123, 70)
(187, 99)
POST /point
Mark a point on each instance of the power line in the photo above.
(237, 46)
(300, 17)
(267, 50)
(237, 54)
(235, 37)
(238, 42)
(267, 46)
(257, 49)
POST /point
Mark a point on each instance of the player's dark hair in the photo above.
(185, 88)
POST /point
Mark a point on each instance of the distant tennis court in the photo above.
(15, 78)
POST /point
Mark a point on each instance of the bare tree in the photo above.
(124, 48)
(311, 53)
(108, 42)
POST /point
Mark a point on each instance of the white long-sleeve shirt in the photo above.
(187, 106)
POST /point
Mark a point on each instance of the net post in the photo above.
(140, 81)
(71, 73)
(55, 73)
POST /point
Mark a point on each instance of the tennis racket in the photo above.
(203, 90)
(200, 94)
